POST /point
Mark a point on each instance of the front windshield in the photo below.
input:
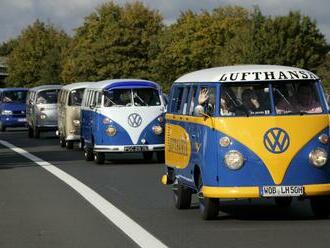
(131, 97)
(14, 96)
(289, 98)
(75, 97)
(47, 97)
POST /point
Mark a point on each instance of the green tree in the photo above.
(292, 40)
(114, 42)
(7, 47)
(199, 41)
(36, 58)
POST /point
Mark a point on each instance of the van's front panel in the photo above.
(46, 115)
(128, 129)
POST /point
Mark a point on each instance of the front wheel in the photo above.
(36, 132)
(2, 127)
(62, 141)
(147, 156)
(209, 207)
(160, 157)
(99, 157)
(320, 206)
(88, 153)
(30, 132)
(182, 196)
(69, 144)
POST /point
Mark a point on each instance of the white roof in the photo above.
(248, 73)
(74, 86)
(105, 83)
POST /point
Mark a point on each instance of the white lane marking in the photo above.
(137, 233)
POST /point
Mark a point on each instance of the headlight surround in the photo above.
(76, 123)
(234, 160)
(7, 112)
(111, 131)
(43, 116)
(318, 157)
(157, 130)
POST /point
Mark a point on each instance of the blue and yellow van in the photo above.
(256, 131)
(12, 107)
(122, 116)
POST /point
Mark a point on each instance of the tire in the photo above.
(82, 144)
(36, 132)
(147, 156)
(99, 157)
(208, 207)
(88, 153)
(160, 157)
(62, 141)
(2, 127)
(182, 196)
(283, 202)
(69, 144)
(30, 132)
(320, 206)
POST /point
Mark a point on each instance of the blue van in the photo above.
(252, 131)
(12, 108)
(122, 115)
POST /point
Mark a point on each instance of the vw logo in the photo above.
(276, 140)
(134, 120)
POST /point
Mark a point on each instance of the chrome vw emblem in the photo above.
(276, 140)
(134, 120)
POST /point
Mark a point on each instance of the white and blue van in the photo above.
(122, 115)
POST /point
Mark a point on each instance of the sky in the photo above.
(15, 15)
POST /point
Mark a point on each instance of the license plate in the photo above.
(273, 191)
(21, 119)
(136, 148)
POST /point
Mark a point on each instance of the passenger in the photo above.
(252, 102)
(225, 107)
(306, 100)
(207, 101)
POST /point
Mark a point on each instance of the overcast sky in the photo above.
(69, 14)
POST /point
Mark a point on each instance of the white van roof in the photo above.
(74, 86)
(106, 84)
(47, 87)
(247, 73)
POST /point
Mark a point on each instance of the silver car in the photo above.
(41, 109)
(68, 105)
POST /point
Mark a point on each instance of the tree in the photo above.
(7, 47)
(113, 42)
(36, 57)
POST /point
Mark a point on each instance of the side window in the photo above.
(176, 99)
(184, 101)
(99, 100)
(207, 98)
(192, 100)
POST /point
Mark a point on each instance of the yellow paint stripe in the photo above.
(317, 189)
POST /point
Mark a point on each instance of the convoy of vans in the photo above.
(237, 132)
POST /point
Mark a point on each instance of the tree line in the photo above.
(132, 41)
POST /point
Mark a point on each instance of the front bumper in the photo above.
(255, 192)
(72, 137)
(151, 148)
(12, 121)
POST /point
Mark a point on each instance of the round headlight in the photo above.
(318, 157)
(234, 160)
(157, 129)
(43, 116)
(76, 123)
(224, 141)
(111, 131)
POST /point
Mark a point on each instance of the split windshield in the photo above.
(289, 98)
(14, 96)
(47, 97)
(131, 97)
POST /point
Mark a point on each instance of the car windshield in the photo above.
(131, 97)
(291, 97)
(14, 96)
(47, 97)
(75, 97)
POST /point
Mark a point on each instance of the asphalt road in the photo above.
(39, 210)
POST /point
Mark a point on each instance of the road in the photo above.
(37, 209)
